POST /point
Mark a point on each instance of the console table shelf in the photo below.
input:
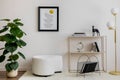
(84, 45)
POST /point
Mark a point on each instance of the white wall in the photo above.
(75, 16)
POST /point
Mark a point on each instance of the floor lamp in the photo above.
(113, 27)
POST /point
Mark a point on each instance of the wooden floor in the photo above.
(4, 77)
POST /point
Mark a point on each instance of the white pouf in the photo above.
(45, 65)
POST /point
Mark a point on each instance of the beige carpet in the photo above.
(71, 76)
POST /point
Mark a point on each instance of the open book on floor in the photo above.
(89, 67)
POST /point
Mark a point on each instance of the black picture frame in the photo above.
(48, 18)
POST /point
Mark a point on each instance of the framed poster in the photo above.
(48, 18)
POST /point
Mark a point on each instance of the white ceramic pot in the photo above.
(12, 73)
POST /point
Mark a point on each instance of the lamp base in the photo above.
(114, 72)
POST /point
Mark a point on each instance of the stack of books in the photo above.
(79, 34)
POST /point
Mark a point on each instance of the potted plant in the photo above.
(11, 35)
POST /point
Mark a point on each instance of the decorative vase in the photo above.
(12, 73)
(80, 46)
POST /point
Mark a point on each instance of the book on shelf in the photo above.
(97, 48)
(78, 34)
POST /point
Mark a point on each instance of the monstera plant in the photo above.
(11, 36)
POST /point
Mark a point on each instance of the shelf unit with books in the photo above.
(86, 45)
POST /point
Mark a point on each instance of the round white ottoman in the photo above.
(42, 65)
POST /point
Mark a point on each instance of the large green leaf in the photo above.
(11, 47)
(11, 66)
(14, 65)
(4, 29)
(2, 58)
(21, 55)
(17, 32)
(5, 52)
(14, 57)
(2, 48)
(16, 20)
(5, 20)
(20, 43)
(9, 38)
(2, 38)
(12, 25)
(9, 59)
(19, 23)
(8, 68)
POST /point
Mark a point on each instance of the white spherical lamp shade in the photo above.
(115, 11)
(110, 25)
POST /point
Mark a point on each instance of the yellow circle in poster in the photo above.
(51, 11)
